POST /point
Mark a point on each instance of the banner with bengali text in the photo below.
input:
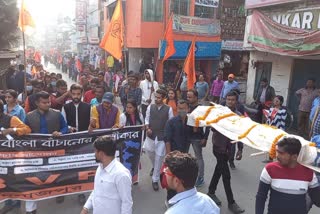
(36, 166)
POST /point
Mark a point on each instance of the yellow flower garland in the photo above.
(197, 123)
(272, 152)
(312, 144)
(247, 132)
(220, 118)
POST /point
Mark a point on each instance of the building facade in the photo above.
(145, 24)
(286, 57)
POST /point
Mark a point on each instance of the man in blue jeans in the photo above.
(197, 136)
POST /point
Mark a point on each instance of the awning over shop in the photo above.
(204, 50)
(269, 36)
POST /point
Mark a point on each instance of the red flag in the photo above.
(37, 57)
(112, 41)
(189, 66)
(170, 49)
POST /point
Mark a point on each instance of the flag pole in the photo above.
(25, 64)
(124, 49)
(24, 51)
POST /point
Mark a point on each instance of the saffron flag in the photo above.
(189, 66)
(25, 19)
(170, 49)
(113, 40)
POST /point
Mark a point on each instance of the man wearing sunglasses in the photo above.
(181, 174)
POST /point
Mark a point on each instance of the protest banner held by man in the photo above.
(106, 115)
(77, 113)
(11, 126)
(45, 120)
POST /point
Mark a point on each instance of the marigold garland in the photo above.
(197, 123)
(220, 118)
(312, 144)
(272, 152)
(247, 132)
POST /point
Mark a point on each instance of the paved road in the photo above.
(244, 184)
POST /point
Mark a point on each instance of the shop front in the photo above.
(286, 50)
(207, 59)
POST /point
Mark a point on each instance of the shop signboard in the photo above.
(81, 12)
(262, 3)
(232, 45)
(195, 25)
(207, 3)
(307, 19)
(204, 50)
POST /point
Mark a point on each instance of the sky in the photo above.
(45, 12)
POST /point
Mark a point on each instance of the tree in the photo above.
(9, 15)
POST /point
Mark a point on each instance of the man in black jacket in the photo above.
(265, 94)
(222, 150)
(77, 115)
(197, 136)
(264, 98)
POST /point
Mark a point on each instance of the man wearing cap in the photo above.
(130, 90)
(105, 115)
(228, 86)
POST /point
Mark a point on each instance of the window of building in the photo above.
(152, 10)
(180, 7)
(204, 12)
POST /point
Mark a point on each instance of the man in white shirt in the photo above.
(181, 173)
(157, 116)
(148, 87)
(112, 182)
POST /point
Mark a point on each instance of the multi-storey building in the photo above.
(145, 24)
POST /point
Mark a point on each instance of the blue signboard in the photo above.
(204, 50)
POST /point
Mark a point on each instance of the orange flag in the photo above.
(25, 18)
(112, 41)
(189, 66)
(170, 49)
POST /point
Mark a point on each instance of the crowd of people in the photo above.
(106, 99)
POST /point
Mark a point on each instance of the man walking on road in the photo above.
(181, 174)
(112, 182)
(287, 181)
(221, 150)
(61, 97)
(156, 117)
(131, 90)
(175, 135)
(148, 86)
(197, 136)
(45, 120)
(106, 115)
